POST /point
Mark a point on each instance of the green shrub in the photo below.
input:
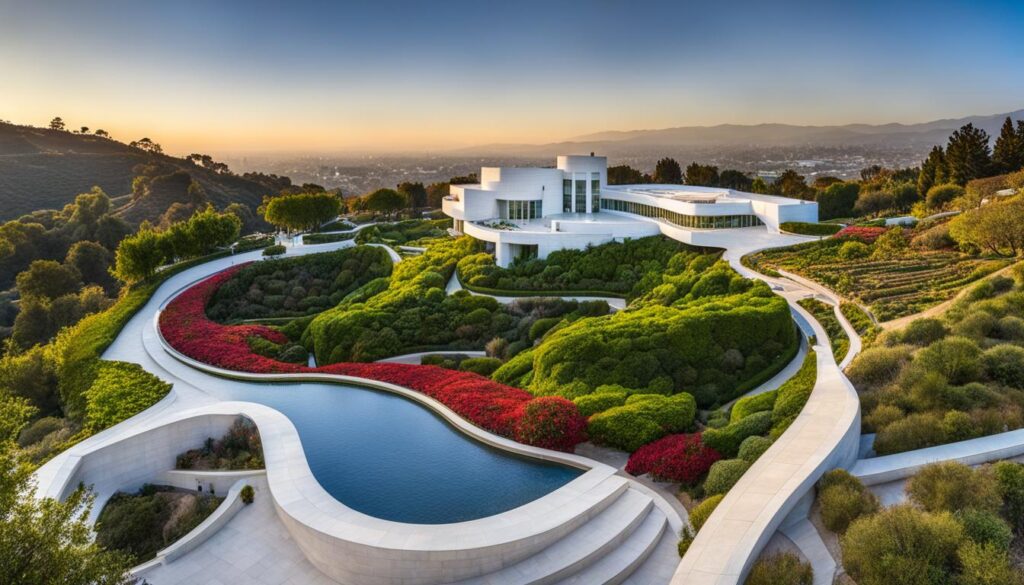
(1010, 478)
(877, 366)
(247, 494)
(986, 564)
(685, 540)
(642, 419)
(1005, 364)
(748, 405)
(275, 250)
(951, 487)
(985, 527)
(724, 474)
(702, 511)
(882, 416)
(919, 547)
(914, 431)
(727, 439)
(853, 250)
(843, 501)
(783, 568)
(542, 326)
(485, 366)
(956, 358)
(600, 401)
(753, 447)
(810, 229)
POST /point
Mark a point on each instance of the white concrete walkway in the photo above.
(825, 435)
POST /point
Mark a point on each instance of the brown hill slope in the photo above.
(44, 169)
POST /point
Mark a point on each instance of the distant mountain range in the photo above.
(625, 144)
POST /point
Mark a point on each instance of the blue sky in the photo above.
(385, 75)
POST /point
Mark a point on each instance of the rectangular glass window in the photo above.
(566, 195)
(581, 195)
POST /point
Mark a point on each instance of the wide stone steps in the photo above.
(599, 536)
(660, 565)
(616, 566)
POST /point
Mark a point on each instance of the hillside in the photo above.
(44, 169)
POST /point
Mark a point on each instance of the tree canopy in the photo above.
(385, 201)
(667, 171)
(304, 211)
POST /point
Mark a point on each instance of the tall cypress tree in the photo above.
(1008, 154)
(968, 155)
(933, 170)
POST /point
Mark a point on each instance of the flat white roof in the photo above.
(695, 194)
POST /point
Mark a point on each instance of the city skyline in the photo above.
(253, 78)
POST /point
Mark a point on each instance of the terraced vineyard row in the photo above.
(892, 288)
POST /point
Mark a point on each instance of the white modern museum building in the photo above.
(530, 211)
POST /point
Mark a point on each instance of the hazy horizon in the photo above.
(256, 79)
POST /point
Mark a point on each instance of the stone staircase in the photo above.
(627, 538)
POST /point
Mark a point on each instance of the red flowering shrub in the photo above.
(682, 458)
(551, 422)
(864, 234)
(548, 422)
(186, 328)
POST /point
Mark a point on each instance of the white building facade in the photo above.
(531, 212)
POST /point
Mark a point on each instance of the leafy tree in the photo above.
(825, 181)
(436, 192)
(873, 202)
(110, 230)
(703, 175)
(792, 184)
(45, 541)
(146, 145)
(625, 175)
(941, 195)
(415, 193)
(733, 179)
(968, 155)
(667, 171)
(138, 256)
(385, 201)
(47, 279)
(83, 130)
(1008, 154)
(997, 227)
(102, 133)
(92, 261)
(837, 200)
(934, 170)
(57, 123)
(304, 211)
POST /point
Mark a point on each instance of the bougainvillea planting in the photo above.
(549, 422)
(864, 234)
(682, 458)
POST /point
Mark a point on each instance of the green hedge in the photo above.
(642, 419)
(327, 238)
(727, 439)
(748, 405)
(120, 391)
(825, 314)
(600, 401)
(724, 474)
(793, 395)
(810, 229)
(753, 447)
(620, 269)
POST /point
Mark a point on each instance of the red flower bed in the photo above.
(550, 422)
(682, 458)
(864, 234)
(185, 326)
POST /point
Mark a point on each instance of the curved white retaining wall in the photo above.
(225, 511)
(876, 470)
(824, 436)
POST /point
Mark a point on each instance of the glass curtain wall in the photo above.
(704, 222)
